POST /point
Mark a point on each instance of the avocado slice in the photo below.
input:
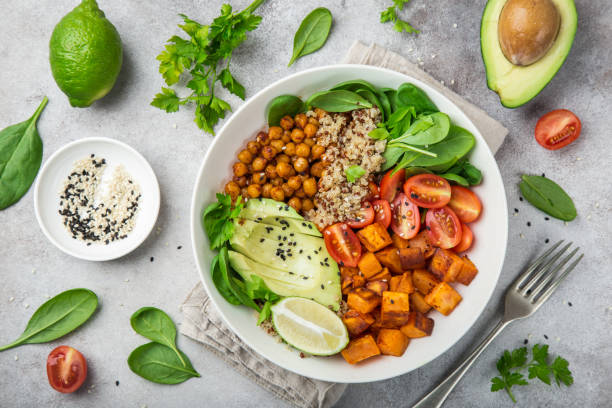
(285, 284)
(301, 226)
(267, 206)
(516, 84)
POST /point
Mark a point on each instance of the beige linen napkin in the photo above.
(203, 323)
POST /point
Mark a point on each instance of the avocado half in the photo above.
(517, 85)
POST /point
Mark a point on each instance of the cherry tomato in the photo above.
(382, 211)
(391, 184)
(66, 369)
(428, 190)
(406, 220)
(465, 204)
(374, 191)
(363, 218)
(557, 129)
(466, 239)
(342, 244)
(443, 227)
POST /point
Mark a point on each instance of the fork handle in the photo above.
(438, 395)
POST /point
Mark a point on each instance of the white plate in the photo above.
(488, 252)
(51, 179)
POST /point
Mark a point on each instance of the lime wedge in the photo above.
(309, 326)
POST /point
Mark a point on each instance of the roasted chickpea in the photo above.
(289, 149)
(300, 193)
(241, 181)
(301, 120)
(254, 190)
(295, 182)
(283, 169)
(317, 169)
(259, 164)
(302, 150)
(278, 181)
(286, 136)
(283, 158)
(316, 151)
(309, 141)
(313, 121)
(291, 174)
(258, 178)
(266, 189)
(277, 194)
(268, 152)
(310, 186)
(287, 190)
(297, 135)
(275, 132)
(296, 203)
(263, 139)
(278, 145)
(287, 122)
(307, 204)
(310, 130)
(253, 147)
(245, 156)
(271, 171)
(233, 189)
(300, 165)
(240, 169)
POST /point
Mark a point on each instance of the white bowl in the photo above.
(488, 252)
(51, 179)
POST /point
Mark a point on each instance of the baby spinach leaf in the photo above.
(391, 156)
(457, 144)
(312, 34)
(385, 103)
(20, 158)
(338, 101)
(220, 284)
(372, 98)
(411, 95)
(231, 282)
(57, 317)
(427, 130)
(456, 178)
(160, 364)
(256, 288)
(467, 171)
(354, 85)
(548, 196)
(156, 325)
(283, 105)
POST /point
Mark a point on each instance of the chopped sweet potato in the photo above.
(362, 300)
(358, 281)
(443, 298)
(405, 285)
(374, 237)
(468, 272)
(359, 349)
(424, 280)
(356, 323)
(421, 241)
(383, 275)
(392, 342)
(377, 286)
(445, 265)
(377, 325)
(394, 282)
(418, 325)
(417, 301)
(399, 242)
(369, 265)
(348, 271)
(347, 285)
(390, 258)
(411, 258)
(394, 309)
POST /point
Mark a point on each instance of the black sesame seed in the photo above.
(179, 247)
(152, 259)
(322, 286)
(546, 219)
(569, 304)
(520, 198)
(516, 210)
(262, 240)
(546, 337)
(525, 341)
(528, 224)
(546, 241)
(117, 383)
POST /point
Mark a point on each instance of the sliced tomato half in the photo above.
(466, 239)
(557, 129)
(428, 190)
(363, 218)
(391, 184)
(406, 219)
(342, 244)
(465, 204)
(382, 212)
(443, 227)
(66, 369)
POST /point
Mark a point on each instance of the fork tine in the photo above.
(543, 270)
(557, 282)
(521, 279)
(550, 275)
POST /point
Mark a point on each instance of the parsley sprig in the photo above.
(206, 55)
(399, 25)
(511, 363)
(217, 219)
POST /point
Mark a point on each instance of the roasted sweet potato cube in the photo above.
(394, 282)
(359, 349)
(399, 242)
(394, 309)
(405, 285)
(468, 272)
(369, 265)
(392, 342)
(383, 275)
(374, 237)
(417, 302)
(377, 325)
(424, 280)
(347, 285)
(362, 300)
(445, 265)
(411, 258)
(422, 242)
(377, 286)
(356, 323)
(348, 271)
(418, 325)
(443, 298)
(389, 257)
(358, 281)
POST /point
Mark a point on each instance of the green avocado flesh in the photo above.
(517, 85)
(289, 262)
(267, 206)
(301, 226)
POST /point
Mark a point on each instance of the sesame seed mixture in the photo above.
(97, 212)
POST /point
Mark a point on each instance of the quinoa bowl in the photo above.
(487, 253)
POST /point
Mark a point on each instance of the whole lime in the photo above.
(85, 54)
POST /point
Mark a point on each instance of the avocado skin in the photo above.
(518, 85)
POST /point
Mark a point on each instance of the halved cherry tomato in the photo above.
(66, 369)
(465, 204)
(428, 190)
(363, 218)
(342, 244)
(443, 227)
(391, 184)
(557, 129)
(382, 212)
(466, 239)
(406, 220)
(374, 193)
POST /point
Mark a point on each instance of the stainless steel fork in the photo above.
(528, 292)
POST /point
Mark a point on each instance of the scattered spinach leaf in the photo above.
(217, 219)
(548, 196)
(57, 317)
(467, 171)
(230, 281)
(411, 95)
(354, 173)
(283, 105)
(156, 325)
(372, 98)
(457, 144)
(219, 281)
(456, 178)
(427, 130)
(312, 34)
(338, 101)
(20, 158)
(354, 85)
(160, 364)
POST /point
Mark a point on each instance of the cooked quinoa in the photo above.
(345, 137)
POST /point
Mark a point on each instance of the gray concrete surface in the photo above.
(31, 267)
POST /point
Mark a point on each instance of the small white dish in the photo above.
(52, 177)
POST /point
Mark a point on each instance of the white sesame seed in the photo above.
(522, 236)
(33, 270)
(455, 25)
(26, 305)
(433, 56)
(578, 158)
(410, 50)
(174, 125)
(452, 82)
(16, 358)
(597, 205)
(11, 299)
